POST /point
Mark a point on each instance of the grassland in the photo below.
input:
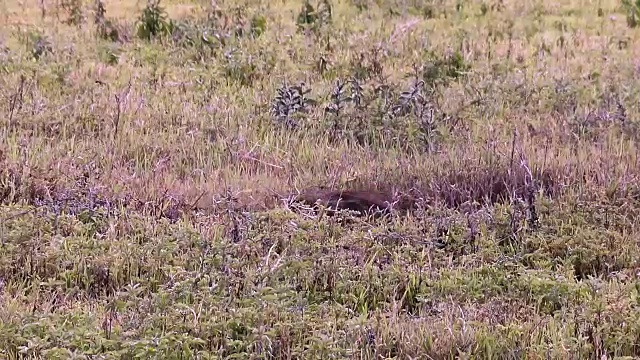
(146, 155)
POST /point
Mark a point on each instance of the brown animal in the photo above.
(363, 202)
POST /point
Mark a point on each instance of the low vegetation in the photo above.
(151, 156)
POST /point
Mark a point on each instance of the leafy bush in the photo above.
(633, 12)
(442, 69)
(153, 22)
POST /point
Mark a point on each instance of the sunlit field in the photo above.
(152, 156)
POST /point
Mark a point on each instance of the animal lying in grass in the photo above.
(361, 202)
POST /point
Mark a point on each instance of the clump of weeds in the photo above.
(38, 44)
(314, 17)
(290, 103)
(355, 107)
(154, 22)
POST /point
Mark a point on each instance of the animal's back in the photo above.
(361, 201)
